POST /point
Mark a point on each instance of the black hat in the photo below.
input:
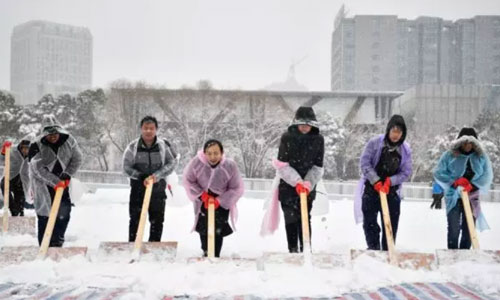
(305, 116)
(467, 131)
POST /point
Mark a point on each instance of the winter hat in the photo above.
(50, 125)
(399, 122)
(305, 116)
(467, 131)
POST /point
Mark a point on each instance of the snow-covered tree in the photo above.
(9, 117)
(334, 134)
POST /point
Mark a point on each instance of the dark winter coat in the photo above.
(304, 155)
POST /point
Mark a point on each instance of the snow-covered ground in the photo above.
(103, 216)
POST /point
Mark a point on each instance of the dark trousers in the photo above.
(293, 224)
(16, 195)
(457, 224)
(156, 210)
(218, 244)
(63, 217)
(222, 228)
(371, 208)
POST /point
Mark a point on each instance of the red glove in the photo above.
(381, 187)
(6, 145)
(62, 184)
(206, 199)
(302, 188)
(387, 184)
(463, 182)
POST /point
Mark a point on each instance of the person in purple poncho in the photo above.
(385, 164)
(211, 174)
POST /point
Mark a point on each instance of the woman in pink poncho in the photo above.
(211, 175)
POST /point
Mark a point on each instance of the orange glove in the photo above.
(463, 182)
(62, 184)
(302, 188)
(206, 199)
(5, 145)
(381, 187)
(387, 184)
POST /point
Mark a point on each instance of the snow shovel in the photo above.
(211, 241)
(26, 253)
(158, 250)
(15, 225)
(321, 260)
(412, 260)
(446, 257)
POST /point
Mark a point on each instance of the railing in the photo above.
(260, 188)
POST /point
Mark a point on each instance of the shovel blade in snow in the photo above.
(158, 251)
(449, 257)
(406, 260)
(234, 260)
(319, 260)
(18, 254)
(21, 225)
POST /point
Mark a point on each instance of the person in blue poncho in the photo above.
(465, 166)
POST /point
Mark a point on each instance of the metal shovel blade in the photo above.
(157, 251)
(449, 257)
(22, 225)
(406, 260)
(319, 260)
(18, 254)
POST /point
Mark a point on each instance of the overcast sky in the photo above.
(234, 43)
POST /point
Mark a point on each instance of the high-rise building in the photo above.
(50, 58)
(382, 52)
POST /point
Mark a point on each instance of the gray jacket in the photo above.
(161, 162)
(18, 166)
(42, 165)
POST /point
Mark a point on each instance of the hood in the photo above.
(467, 135)
(50, 125)
(304, 116)
(396, 121)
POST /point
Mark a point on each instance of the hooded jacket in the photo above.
(371, 157)
(300, 158)
(19, 164)
(453, 165)
(49, 161)
(224, 180)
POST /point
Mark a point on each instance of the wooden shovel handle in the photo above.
(211, 228)
(306, 236)
(47, 236)
(142, 220)
(393, 259)
(470, 220)
(6, 191)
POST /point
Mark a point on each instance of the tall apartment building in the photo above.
(50, 58)
(373, 52)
